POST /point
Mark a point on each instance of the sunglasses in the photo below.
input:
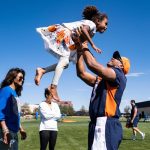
(20, 78)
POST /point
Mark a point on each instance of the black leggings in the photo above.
(47, 136)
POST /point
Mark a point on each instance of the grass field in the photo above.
(73, 136)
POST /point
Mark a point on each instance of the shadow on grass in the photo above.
(129, 139)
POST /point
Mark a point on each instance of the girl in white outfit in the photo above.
(50, 113)
(58, 41)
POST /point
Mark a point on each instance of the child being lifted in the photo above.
(59, 42)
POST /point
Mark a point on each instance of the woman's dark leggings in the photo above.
(47, 136)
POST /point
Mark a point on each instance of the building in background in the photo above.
(144, 108)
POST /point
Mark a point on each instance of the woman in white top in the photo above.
(59, 42)
(50, 113)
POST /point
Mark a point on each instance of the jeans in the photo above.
(13, 141)
(47, 136)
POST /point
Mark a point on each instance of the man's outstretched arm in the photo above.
(97, 68)
(81, 71)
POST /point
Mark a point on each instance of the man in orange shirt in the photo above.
(105, 130)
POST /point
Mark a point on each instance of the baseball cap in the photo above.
(125, 61)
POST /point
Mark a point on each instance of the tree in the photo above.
(83, 111)
(35, 110)
(127, 109)
(25, 109)
(68, 110)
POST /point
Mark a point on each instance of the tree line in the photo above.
(67, 110)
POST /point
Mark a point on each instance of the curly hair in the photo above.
(10, 76)
(92, 13)
(133, 101)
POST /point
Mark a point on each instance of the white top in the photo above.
(74, 25)
(49, 116)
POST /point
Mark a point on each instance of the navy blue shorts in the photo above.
(106, 134)
(135, 122)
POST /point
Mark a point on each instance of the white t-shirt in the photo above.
(74, 25)
(49, 116)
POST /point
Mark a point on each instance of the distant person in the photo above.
(105, 130)
(10, 89)
(36, 115)
(50, 113)
(134, 120)
(59, 43)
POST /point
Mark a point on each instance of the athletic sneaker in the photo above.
(133, 137)
(143, 136)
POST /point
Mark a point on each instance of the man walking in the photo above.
(135, 120)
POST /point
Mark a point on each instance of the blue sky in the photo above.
(128, 31)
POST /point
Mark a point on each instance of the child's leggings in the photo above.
(58, 69)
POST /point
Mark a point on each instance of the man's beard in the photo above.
(109, 64)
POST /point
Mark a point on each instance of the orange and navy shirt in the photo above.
(106, 96)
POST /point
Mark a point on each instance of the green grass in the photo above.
(73, 136)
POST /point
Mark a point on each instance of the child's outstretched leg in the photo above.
(38, 75)
(53, 90)
(62, 64)
(41, 71)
